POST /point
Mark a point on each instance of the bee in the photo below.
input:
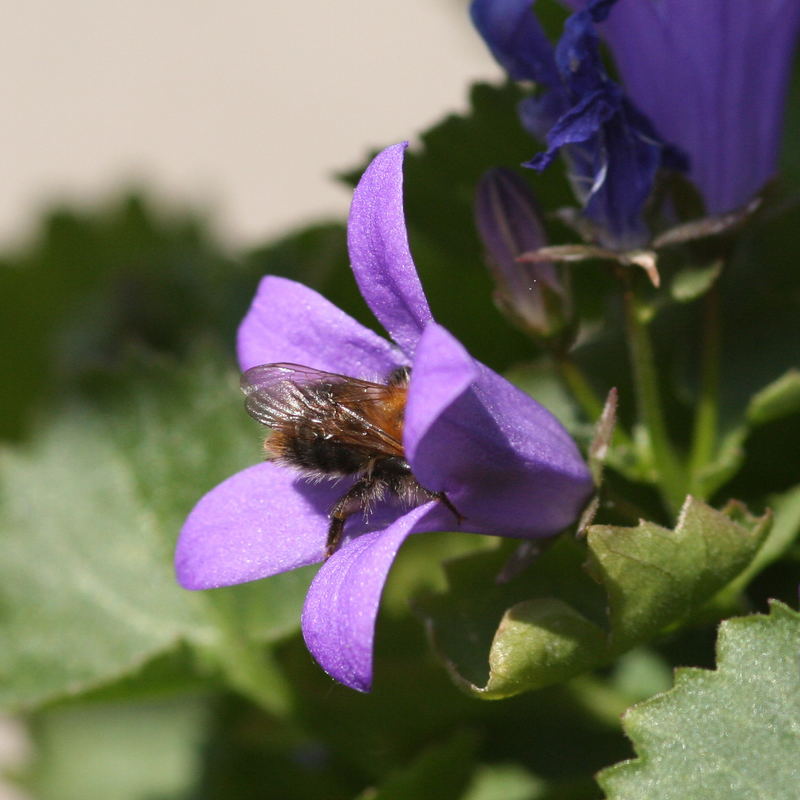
(332, 426)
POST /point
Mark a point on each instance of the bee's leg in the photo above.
(358, 497)
(445, 501)
(335, 531)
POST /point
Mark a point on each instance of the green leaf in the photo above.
(689, 284)
(90, 514)
(779, 399)
(784, 531)
(554, 622)
(118, 751)
(655, 577)
(93, 281)
(731, 732)
(505, 782)
(538, 643)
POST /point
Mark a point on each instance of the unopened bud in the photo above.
(508, 222)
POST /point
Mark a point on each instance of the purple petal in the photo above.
(516, 39)
(712, 77)
(443, 371)
(259, 522)
(577, 52)
(379, 254)
(342, 604)
(630, 160)
(583, 121)
(290, 322)
(504, 461)
(539, 114)
(608, 146)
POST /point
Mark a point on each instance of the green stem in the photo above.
(576, 382)
(604, 702)
(585, 395)
(671, 477)
(704, 438)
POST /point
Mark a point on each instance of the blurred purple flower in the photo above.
(613, 151)
(712, 77)
(505, 462)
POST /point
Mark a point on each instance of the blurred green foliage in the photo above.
(94, 283)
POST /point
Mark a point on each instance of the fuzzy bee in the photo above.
(331, 426)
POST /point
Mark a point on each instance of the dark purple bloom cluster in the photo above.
(613, 150)
(712, 77)
(707, 76)
(504, 461)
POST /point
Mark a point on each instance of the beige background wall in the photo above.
(245, 107)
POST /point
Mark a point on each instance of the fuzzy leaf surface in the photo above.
(728, 733)
(563, 616)
(90, 513)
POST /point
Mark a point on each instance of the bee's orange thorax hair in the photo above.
(388, 414)
(278, 443)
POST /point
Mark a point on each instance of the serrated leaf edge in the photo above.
(682, 677)
(491, 691)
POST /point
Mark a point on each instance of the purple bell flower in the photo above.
(504, 461)
(612, 149)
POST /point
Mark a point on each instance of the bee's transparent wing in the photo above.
(274, 393)
(277, 394)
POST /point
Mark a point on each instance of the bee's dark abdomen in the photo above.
(311, 450)
(392, 470)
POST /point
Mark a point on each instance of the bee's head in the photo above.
(399, 376)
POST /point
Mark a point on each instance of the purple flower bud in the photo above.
(507, 217)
